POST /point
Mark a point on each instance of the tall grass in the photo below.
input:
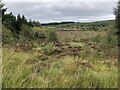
(97, 49)
(62, 73)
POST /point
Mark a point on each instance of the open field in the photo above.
(66, 44)
(79, 59)
(76, 35)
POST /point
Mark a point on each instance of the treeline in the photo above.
(16, 28)
(96, 24)
(14, 23)
(93, 26)
(56, 23)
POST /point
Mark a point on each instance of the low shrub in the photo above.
(51, 35)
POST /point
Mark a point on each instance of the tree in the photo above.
(23, 20)
(2, 10)
(36, 23)
(26, 32)
(18, 23)
(9, 21)
(117, 13)
(30, 23)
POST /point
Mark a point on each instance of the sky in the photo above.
(63, 10)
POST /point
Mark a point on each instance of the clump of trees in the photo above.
(14, 23)
(16, 27)
(20, 29)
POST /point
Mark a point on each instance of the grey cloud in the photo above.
(64, 11)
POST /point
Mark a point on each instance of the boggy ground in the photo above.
(72, 63)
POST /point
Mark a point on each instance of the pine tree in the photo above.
(2, 10)
(30, 23)
(9, 21)
(23, 20)
(18, 23)
(19, 18)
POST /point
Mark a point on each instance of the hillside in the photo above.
(80, 26)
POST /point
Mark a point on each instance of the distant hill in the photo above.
(80, 25)
(56, 23)
(106, 22)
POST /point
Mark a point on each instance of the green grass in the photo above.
(98, 49)
(62, 73)
(95, 26)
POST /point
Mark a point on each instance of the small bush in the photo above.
(26, 32)
(51, 35)
(8, 37)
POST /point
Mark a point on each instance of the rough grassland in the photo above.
(61, 72)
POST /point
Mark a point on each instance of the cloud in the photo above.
(63, 11)
(59, 0)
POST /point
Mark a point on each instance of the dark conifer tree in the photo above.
(23, 20)
(30, 23)
(18, 23)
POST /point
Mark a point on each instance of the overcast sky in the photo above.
(57, 11)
